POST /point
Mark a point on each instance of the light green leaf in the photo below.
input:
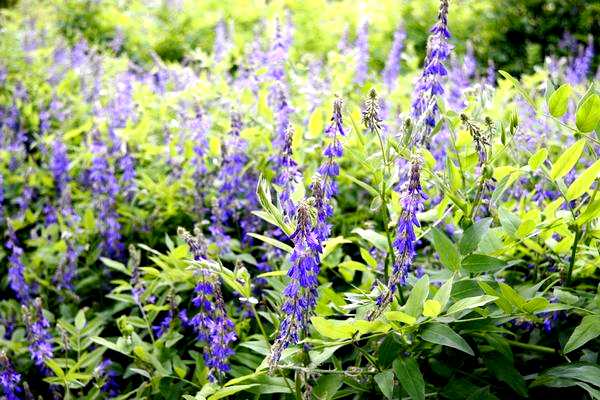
(470, 302)
(375, 238)
(588, 329)
(331, 244)
(567, 160)
(559, 100)
(535, 304)
(509, 221)
(538, 158)
(230, 390)
(443, 293)
(418, 295)
(272, 242)
(583, 181)
(517, 86)
(432, 308)
(588, 113)
(400, 316)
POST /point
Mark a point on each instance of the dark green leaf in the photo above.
(504, 371)
(418, 295)
(473, 235)
(385, 382)
(478, 263)
(444, 335)
(410, 377)
(447, 251)
(588, 329)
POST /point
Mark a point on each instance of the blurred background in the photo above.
(515, 35)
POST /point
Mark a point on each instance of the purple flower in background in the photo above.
(301, 292)
(343, 46)
(105, 189)
(38, 336)
(59, 165)
(428, 85)
(222, 43)
(392, 65)
(412, 198)
(577, 72)
(362, 56)
(9, 378)
(211, 323)
(460, 75)
(2, 211)
(490, 77)
(16, 270)
(288, 174)
(108, 377)
(199, 126)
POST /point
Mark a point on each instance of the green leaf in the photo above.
(444, 335)
(443, 293)
(418, 295)
(583, 181)
(470, 302)
(538, 158)
(272, 242)
(567, 160)
(108, 344)
(588, 329)
(535, 304)
(230, 390)
(375, 238)
(80, 320)
(589, 373)
(385, 382)
(504, 370)
(559, 100)
(400, 316)
(478, 263)
(115, 265)
(517, 86)
(389, 349)
(432, 308)
(509, 221)
(327, 386)
(338, 329)
(410, 377)
(446, 249)
(588, 113)
(473, 235)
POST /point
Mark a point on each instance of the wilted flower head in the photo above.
(370, 112)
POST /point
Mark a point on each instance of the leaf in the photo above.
(589, 373)
(447, 251)
(509, 221)
(385, 382)
(445, 336)
(229, 390)
(559, 100)
(272, 242)
(583, 181)
(588, 113)
(504, 371)
(336, 329)
(80, 320)
(535, 304)
(538, 158)
(331, 244)
(108, 344)
(470, 302)
(115, 265)
(400, 316)
(432, 308)
(410, 377)
(418, 295)
(567, 160)
(588, 329)
(390, 349)
(478, 263)
(443, 293)
(376, 239)
(316, 123)
(517, 86)
(327, 386)
(473, 235)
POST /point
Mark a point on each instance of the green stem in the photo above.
(573, 253)
(534, 347)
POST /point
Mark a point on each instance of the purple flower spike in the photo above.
(9, 378)
(392, 65)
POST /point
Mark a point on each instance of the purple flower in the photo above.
(9, 378)
(362, 56)
(223, 42)
(301, 293)
(38, 336)
(412, 198)
(490, 78)
(288, 174)
(108, 377)
(392, 65)
(578, 70)
(428, 85)
(211, 323)
(59, 165)
(16, 270)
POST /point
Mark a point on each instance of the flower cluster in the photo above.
(9, 378)
(428, 85)
(392, 65)
(412, 198)
(301, 292)
(362, 53)
(38, 336)
(579, 68)
(16, 270)
(211, 323)
(289, 174)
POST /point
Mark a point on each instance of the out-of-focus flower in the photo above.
(362, 56)
(392, 65)
(16, 270)
(9, 378)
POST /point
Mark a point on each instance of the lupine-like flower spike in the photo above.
(428, 85)
(16, 270)
(137, 284)
(9, 378)
(412, 198)
(329, 170)
(38, 336)
(392, 65)
(362, 56)
(289, 174)
(300, 294)
(580, 67)
(211, 323)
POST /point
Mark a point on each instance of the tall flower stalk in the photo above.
(288, 175)
(392, 65)
(9, 378)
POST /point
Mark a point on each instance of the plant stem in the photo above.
(534, 347)
(573, 253)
